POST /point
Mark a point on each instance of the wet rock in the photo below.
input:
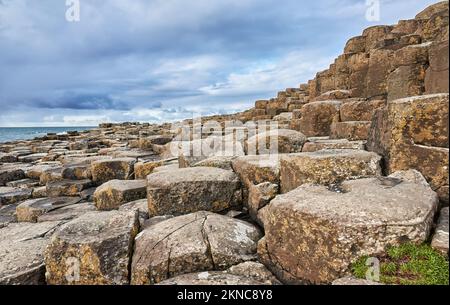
(93, 249)
(10, 172)
(196, 242)
(188, 190)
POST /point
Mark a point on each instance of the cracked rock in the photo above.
(196, 242)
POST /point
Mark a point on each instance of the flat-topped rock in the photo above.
(319, 144)
(30, 210)
(70, 188)
(359, 110)
(254, 170)
(314, 233)
(112, 194)
(276, 141)
(67, 213)
(223, 162)
(10, 195)
(188, 190)
(10, 172)
(97, 244)
(7, 214)
(327, 167)
(22, 252)
(248, 273)
(196, 242)
(105, 170)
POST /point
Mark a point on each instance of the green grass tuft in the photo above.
(408, 264)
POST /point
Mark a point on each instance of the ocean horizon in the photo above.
(8, 134)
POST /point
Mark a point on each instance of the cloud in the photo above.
(156, 60)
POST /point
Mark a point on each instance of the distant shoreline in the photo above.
(12, 134)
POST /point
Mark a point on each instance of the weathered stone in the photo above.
(30, 210)
(75, 171)
(141, 207)
(7, 158)
(67, 213)
(352, 131)
(351, 281)
(35, 171)
(254, 170)
(277, 141)
(356, 45)
(440, 238)
(259, 196)
(189, 190)
(24, 183)
(319, 144)
(99, 244)
(359, 110)
(105, 170)
(437, 74)
(144, 168)
(68, 188)
(327, 167)
(9, 173)
(379, 68)
(22, 253)
(7, 214)
(261, 104)
(313, 233)
(248, 273)
(196, 242)
(413, 133)
(334, 95)
(39, 192)
(406, 81)
(317, 117)
(10, 195)
(223, 162)
(432, 9)
(112, 194)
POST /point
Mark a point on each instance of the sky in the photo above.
(165, 60)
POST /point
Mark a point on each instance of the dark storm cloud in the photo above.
(133, 57)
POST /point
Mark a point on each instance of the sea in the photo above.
(8, 134)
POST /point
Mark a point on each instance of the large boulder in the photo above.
(248, 273)
(189, 190)
(94, 249)
(105, 170)
(350, 130)
(10, 172)
(314, 233)
(359, 110)
(22, 252)
(196, 242)
(278, 141)
(112, 194)
(413, 133)
(327, 167)
(317, 117)
(437, 76)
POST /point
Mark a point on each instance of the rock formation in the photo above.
(361, 164)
